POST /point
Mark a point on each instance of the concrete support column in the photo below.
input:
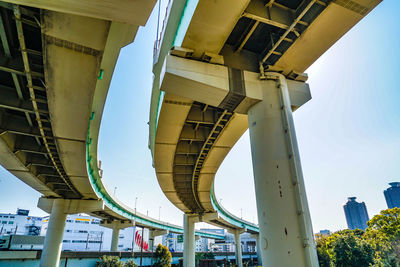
(116, 226)
(114, 240)
(188, 240)
(238, 248)
(285, 226)
(58, 209)
(151, 243)
(153, 234)
(258, 248)
(54, 235)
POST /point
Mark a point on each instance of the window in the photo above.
(5, 216)
(80, 231)
(4, 222)
(70, 221)
(68, 231)
(93, 241)
(66, 241)
(78, 241)
(95, 222)
(85, 222)
(10, 222)
(12, 217)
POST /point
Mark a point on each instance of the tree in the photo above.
(130, 263)
(383, 233)
(203, 256)
(162, 256)
(109, 261)
(378, 246)
(322, 250)
(350, 250)
(345, 248)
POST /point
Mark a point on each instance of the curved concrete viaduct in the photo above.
(221, 68)
(57, 62)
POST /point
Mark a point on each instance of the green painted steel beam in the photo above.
(230, 218)
(102, 193)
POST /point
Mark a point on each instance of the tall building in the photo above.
(356, 214)
(392, 195)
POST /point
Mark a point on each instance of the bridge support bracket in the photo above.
(116, 226)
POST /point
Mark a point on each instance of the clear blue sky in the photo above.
(348, 134)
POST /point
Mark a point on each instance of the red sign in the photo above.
(139, 241)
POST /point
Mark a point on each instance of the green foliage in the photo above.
(348, 249)
(344, 248)
(162, 256)
(378, 246)
(383, 233)
(322, 250)
(130, 263)
(203, 256)
(109, 261)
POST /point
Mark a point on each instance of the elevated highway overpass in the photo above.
(221, 68)
(57, 61)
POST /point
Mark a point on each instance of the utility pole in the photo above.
(133, 238)
(101, 240)
(87, 241)
(141, 247)
(135, 204)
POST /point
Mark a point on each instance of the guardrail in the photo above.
(30, 258)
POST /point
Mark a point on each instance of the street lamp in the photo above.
(115, 189)
(135, 204)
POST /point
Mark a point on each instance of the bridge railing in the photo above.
(160, 32)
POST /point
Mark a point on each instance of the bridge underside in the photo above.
(28, 146)
(45, 101)
(55, 70)
(252, 36)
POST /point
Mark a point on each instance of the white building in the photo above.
(228, 245)
(84, 233)
(20, 223)
(174, 242)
